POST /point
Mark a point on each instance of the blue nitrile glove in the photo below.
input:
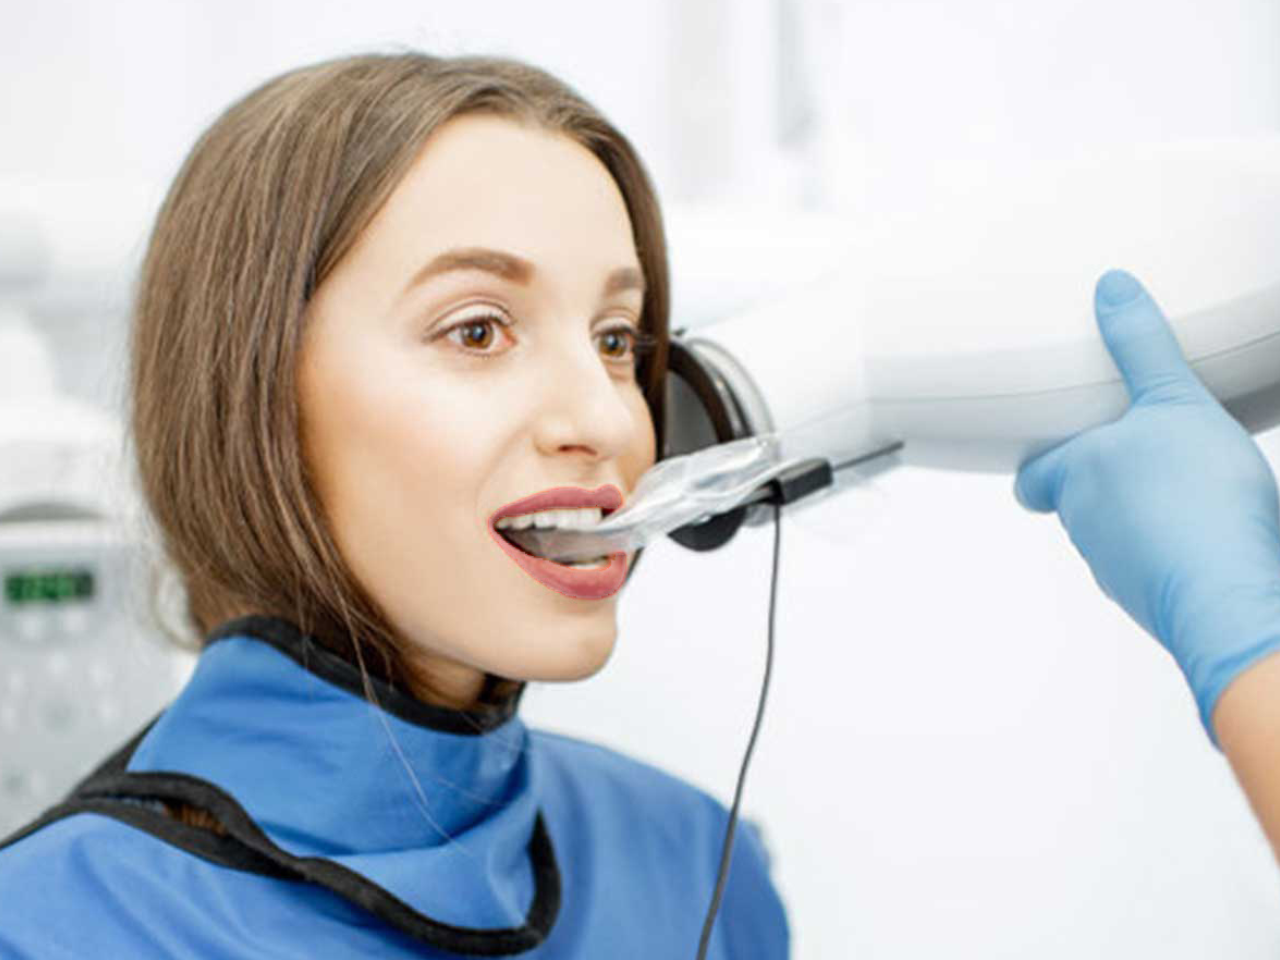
(1173, 506)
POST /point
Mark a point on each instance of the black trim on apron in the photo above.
(314, 657)
(134, 798)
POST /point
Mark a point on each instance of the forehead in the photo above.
(482, 180)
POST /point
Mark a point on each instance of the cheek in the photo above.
(401, 468)
(400, 457)
(390, 451)
(643, 453)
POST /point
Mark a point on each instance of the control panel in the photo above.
(78, 672)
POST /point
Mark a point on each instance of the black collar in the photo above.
(325, 661)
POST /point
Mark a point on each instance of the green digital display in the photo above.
(56, 586)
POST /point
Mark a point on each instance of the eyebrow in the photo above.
(512, 268)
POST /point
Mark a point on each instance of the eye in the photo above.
(472, 324)
(622, 333)
(641, 343)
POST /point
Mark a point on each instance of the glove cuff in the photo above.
(1215, 679)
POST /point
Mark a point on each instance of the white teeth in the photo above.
(598, 564)
(579, 518)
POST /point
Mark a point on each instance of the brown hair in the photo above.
(270, 198)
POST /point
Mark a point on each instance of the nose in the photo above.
(583, 403)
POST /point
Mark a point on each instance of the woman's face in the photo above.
(416, 434)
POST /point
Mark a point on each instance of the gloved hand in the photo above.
(1173, 506)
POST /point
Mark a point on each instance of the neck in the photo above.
(445, 683)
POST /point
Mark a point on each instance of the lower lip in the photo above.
(571, 581)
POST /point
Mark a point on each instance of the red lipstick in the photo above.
(571, 581)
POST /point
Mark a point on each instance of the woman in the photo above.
(386, 301)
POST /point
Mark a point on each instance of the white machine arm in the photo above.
(969, 335)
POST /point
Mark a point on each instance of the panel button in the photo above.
(57, 665)
(29, 626)
(73, 621)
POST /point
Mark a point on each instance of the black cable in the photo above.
(727, 850)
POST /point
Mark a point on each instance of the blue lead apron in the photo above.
(401, 829)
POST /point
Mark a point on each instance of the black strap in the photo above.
(135, 798)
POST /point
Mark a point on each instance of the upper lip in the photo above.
(607, 497)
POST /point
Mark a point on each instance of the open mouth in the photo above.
(506, 535)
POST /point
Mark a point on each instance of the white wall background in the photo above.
(969, 751)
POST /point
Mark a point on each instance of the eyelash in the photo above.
(641, 343)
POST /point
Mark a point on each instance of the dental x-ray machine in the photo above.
(962, 341)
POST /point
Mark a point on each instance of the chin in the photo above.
(573, 662)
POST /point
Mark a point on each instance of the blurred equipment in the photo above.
(76, 675)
